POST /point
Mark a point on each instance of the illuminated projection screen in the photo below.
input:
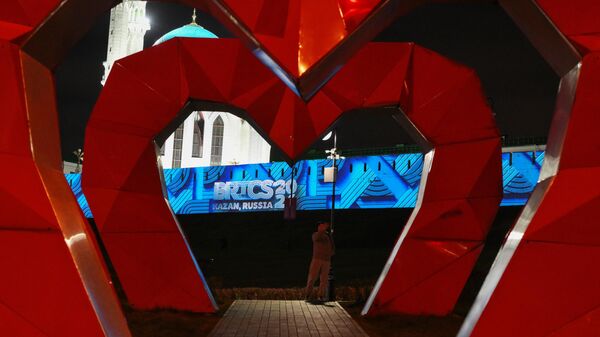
(386, 181)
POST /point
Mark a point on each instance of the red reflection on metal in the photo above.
(544, 281)
(53, 282)
(307, 41)
(299, 33)
(355, 11)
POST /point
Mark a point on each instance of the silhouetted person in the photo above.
(323, 249)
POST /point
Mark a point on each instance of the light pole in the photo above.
(79, 155)
(334, 156)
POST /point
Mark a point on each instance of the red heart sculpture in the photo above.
(442, 100)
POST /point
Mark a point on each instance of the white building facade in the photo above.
(128, 26)
(205, 138)
(210, 138)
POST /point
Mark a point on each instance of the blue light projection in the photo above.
(386, 181)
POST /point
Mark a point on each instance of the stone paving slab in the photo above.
(286, 319)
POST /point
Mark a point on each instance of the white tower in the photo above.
(128, 25)
(205, 138)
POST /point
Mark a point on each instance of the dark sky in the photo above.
(518, 82)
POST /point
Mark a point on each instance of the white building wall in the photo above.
(167, 158)
(187, 159)
(188, 141)
(244, 138)
(241, 143)
(128, 25)
(231, 134)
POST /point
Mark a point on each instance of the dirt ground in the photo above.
(171, 323)
(405, 326)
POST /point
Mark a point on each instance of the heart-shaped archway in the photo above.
(440, 101)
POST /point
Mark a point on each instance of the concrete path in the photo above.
(286, 319)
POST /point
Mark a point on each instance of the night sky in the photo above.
(518, 82)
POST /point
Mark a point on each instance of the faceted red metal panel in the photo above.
(444, 103)
(578, 21)
(549, 256)
(544, 281)
(306, 30)
(353, 12)
(54, 282)
(28, 13)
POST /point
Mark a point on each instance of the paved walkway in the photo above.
(286, 319)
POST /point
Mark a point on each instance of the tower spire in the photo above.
(194, 17)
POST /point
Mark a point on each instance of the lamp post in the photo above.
(334, 156)
(79, 155)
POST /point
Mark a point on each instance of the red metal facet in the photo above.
(299, 33)
(555, 240)
(45, 294)
(26, 12)
(354, 12)
(54, 282)
(306, 41)
(432, 288)
(444, 103)
(578, 18)
(544, 280)
(157, 269)
(143, 239)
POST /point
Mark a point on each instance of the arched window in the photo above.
(177, 144)
(216, 151)
(198, 143)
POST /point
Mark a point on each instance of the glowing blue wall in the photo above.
(388, 181)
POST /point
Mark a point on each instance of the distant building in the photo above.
(205, 138)
(128, 25)
(69, 167)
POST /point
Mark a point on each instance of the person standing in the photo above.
(323, 250)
